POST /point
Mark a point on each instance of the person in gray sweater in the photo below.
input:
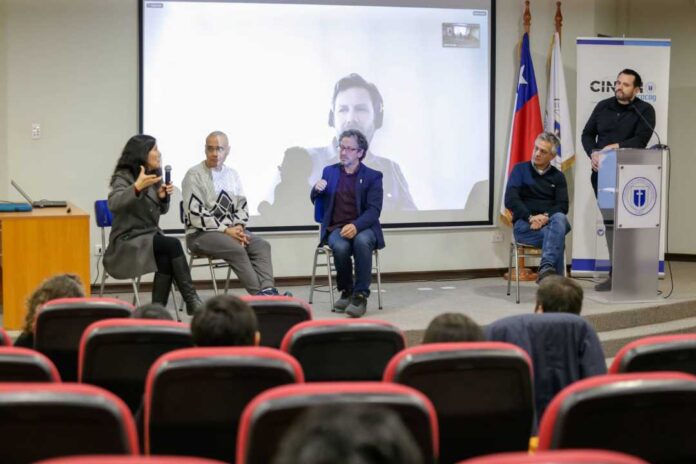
(216, 215)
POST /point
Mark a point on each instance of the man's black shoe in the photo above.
(544, 273)
(603, 286)
(342, 303)
(357, 306)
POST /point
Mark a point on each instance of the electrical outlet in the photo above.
(98, 251)
(35, 131)
(497, 236)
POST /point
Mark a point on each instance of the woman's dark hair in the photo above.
(135, 154)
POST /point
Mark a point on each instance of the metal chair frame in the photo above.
(517, 251)
(326, 251)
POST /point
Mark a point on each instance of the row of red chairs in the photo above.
(649, 415)
(548, 457)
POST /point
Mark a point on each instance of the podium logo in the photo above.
(639, 196)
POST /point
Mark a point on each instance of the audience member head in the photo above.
(558, 294)
(453, 327)
(140, 150)
(58, 286)
(225, 320)
(348, 434)
(152, 311)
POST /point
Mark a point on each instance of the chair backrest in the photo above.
(659, 353)
(116, 354)
(25, 365)
(584, 456)
(276, 315)
(343, 349)
(102, 214)
(651, 415)
(482, 392)
(121, 459)
(271, 414)
(41, 421)
(194, 397)
(60, 323)
(5, 339)
(564, 348)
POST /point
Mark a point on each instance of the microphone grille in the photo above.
(168, 168)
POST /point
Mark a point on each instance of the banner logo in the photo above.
(639, 196)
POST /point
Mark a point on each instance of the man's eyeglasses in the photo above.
(348, 149)
(211, 148)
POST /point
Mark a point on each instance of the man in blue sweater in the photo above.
(537, 195)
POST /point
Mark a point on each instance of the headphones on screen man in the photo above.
(356, 80)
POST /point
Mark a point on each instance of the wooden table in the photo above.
(38, 244)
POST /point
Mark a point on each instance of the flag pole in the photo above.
(526, 274)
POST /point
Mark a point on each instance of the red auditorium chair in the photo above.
(558, 457)
(343, 349)
(5, 339)
(45, 420)
(659, 353)
(482, 392)
(116, 354)
(60, 323)
(268, 417)
(651, 415)
(194, 397)
(276, 315)
(97, 459)
(25, 365)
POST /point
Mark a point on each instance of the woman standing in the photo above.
(137, 246)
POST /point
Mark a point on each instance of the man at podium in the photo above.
(621, 121)
(537, 195)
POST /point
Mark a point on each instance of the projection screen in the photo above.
(283, 78)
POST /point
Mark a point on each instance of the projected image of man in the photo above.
(358, 105)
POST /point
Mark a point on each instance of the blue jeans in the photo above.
(360, 247)
(550, 238)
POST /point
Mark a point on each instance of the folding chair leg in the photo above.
(212, 276)
(517, 272)
(176, 305)
(314, 273)
(136, 286)
(379, 280)
(329, 268)
(227, 281)
(509, 282)
(101, 285)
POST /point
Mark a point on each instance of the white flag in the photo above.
(557, 117)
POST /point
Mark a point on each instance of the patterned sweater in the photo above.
(207, 210)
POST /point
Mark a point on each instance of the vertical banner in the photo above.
(599, 61)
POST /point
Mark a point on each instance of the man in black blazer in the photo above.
(348, 200)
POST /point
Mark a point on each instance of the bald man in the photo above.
(216, 216)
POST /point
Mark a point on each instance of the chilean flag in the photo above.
(526, 121)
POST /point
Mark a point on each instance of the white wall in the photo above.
(71, 65)
(675, 19)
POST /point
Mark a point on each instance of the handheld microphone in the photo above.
(168, 174)
(659, 145)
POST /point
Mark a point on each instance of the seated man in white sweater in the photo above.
(216, 215)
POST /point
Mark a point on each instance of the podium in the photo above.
(36, 245)
(629, 190)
